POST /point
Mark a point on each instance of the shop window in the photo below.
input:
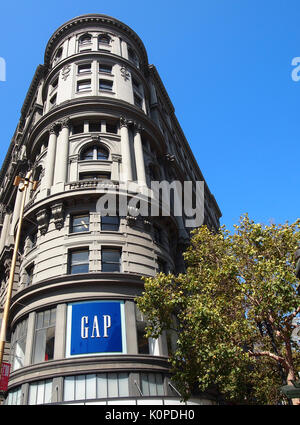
(40, 392)
(96, 386)
(14, 397)
(152, 384)
(44, 336)
(79, 261)
(79, 223)
(111, 260)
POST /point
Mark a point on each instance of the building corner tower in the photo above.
(96, 117)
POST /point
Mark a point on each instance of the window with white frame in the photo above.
(79, 261)
(44, 336)
(95, 386)
(85, 39)
(106, 69)
(14, 397)
(79, 223)
(105, 85)
(152, 384)
(40, 392)
(18, 345)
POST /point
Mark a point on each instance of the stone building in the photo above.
(96, 114)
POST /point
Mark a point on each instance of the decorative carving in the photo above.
(125, 73)
(65, 123)
(123, 122)
(116, 158)
(65, 72)
(42, 218)
(58, 215)
(53, 128)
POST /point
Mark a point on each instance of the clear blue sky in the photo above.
(226, 65)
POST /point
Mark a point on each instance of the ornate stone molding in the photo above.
(123, 122)
(58, 215)
(42, 218)
(125, 73)
(65, 123)
(116, 157)
(66, 72)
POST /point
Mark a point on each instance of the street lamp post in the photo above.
(22, 184)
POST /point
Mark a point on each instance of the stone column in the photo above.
(62, 153)
(125, 150)
(50, 161)
(139, 156)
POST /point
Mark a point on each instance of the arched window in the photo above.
(104, 39)
(85, 39)
(93, 153)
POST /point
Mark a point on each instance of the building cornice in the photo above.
(87, 20)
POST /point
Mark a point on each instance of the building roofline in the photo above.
(91, 18)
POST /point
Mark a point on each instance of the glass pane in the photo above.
(53, 316)
(69, 388)
(82, 268)
(49, 350)
(110, 267)
(19, 354)
(80, 223)
(111, 256)
(159, 384)
(80, 257)
(105, 68)
(102, 153)
(145, 384)
(80, 387)
(101, 385)
(40, 392)
(123, 385)
(39, 346)
(112, 381)
(110, 223)
(46, 318)
(32, 394)
(91, 386)
(48, 391)
(105, 85)
(39, 320)
(152, 384)
(84, 68)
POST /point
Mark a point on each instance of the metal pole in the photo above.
(12, 272)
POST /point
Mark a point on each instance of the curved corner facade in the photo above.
(96, 117)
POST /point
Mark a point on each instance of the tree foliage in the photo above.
(232, 312)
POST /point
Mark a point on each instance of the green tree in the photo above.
(232, 312)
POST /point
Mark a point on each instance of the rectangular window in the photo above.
(138, 101)
(142, 341)
(79, 223)
(92, 386)
(53, 100)
(105, 68)
(79, 261)
(77, 129)
(29, 274)
(111, 260)
(111, 128)
(86, 67)
(54, 83)
(105, 85)
(40, 392)
(94, 176)
(136, 85)
(84, 85)
(110, 223)
(152, 384)
(18, 345)
(44, 335)
(95, 127)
